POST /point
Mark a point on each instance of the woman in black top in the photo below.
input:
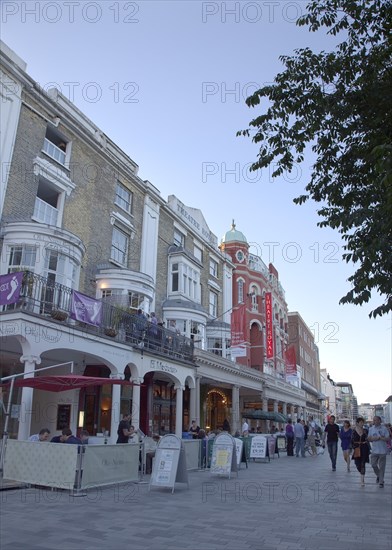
(361, 448)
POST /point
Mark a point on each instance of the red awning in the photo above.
(66, 382)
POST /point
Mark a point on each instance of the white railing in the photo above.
(53, 151)
(45, 213)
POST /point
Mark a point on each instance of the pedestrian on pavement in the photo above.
(379, 436)
(331, 433)
(345, 438)
(290, 438)
(123, 430)
(361, 447)
(245, 427)
(299, 434)
(312, 436)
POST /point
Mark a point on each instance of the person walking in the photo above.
(299, 434)
(379, 436)
(361, 447)
(346, 433)
(290, 438)
(312, 436)
(331, 433)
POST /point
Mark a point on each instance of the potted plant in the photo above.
(116, 321)
(59, 314)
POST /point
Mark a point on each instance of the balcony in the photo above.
(53, 151)
(45, 213)
(42, 297)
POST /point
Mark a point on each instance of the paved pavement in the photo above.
(288, 504)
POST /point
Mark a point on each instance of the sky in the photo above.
(167, 82)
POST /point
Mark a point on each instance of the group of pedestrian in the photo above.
(357, 441)
(66, 436)
(298, 435)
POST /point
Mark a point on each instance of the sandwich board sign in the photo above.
(240, 451)
(258, 448)
(169, 464)
(224, 456)
(271, 447)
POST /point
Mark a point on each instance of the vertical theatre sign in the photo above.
(269, 326)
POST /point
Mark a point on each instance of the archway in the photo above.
(216, 409)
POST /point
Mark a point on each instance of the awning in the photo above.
(67, 382)
(264, 415)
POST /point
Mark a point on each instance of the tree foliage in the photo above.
(339, 103)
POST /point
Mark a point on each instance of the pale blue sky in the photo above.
(156, 78)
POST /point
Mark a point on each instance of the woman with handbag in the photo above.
(361, 448)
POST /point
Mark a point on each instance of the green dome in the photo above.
(234, 235)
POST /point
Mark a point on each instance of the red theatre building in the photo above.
(260, 315)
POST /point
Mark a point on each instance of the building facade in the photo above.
(118, 283)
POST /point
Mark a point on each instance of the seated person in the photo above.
(43, 435)
(66, 437)
(194, 429)
(84, 435)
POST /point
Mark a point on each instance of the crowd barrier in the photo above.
(80, 467)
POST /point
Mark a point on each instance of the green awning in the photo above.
(264, 415)
(259, 415)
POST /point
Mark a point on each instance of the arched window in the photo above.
(240, 290)
(254, 293)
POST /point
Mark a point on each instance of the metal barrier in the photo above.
(75, 468)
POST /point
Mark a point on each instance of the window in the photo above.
(174, 278)
(55, 146)
(185, 280)
(46, 203)
(21, 257)
(119, 250)
(213, 268)
(179, 238)
(60, 268)
(240, 291)
(198, 253)
(253, 293)
(214, 345)
(213, 304)
(123, 198)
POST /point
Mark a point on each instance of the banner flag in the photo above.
(86, 309)
(10, 286)
(291, 361)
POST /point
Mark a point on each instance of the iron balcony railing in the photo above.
(47, 298)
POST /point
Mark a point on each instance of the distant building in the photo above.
(349, 406)
(366, 410)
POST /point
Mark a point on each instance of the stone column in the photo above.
(197, 404)
(179, 395)
(26, 403)
(192, 405)
(136, 403)
(284, 408)
(115, 412)
(235, 409)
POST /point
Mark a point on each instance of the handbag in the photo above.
(357, 452)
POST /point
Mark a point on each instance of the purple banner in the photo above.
(10, 286)
(86, 309)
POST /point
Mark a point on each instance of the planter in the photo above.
(59, 315)
(110, 332)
